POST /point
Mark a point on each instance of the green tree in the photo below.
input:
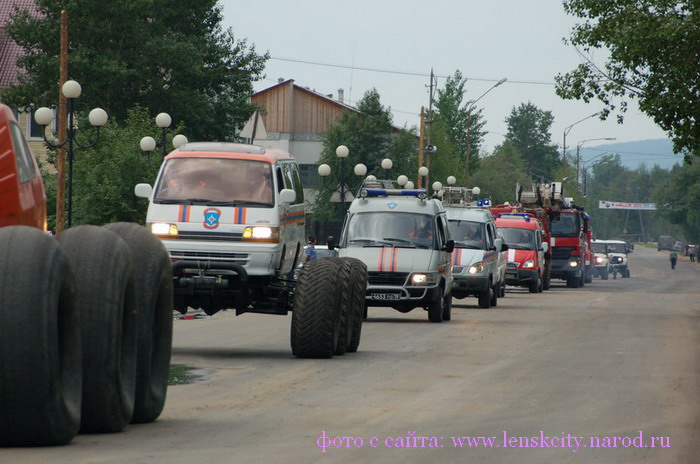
(653, 56)
(456, 125)
(105, 176)
(165, 56)
(370, 137)
(529, 129)
(500, 173)
(678, 200)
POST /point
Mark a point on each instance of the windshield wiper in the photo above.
(403, 241)
(369, 241)
(467, 245)
(249, 203)
(184, 201)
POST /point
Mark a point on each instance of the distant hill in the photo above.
(633, 154)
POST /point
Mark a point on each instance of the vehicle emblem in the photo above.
(211, 218)
(391, 205)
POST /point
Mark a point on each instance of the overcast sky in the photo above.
(486, 40)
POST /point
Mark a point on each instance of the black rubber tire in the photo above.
(626, 274)
(573, 282)
(494, 297)
(485, 299)
(40, 353)
(436, 308)
(604, 275)
(503, 290)
(534, 285)
(154, 299)
(101, 263)
(589, 277)
(358, 275)
(447, 307)
(347, 314)
(547, 280)
(316, 310)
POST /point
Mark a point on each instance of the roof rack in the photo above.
(462, 197)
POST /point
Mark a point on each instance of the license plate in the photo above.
(385, 296)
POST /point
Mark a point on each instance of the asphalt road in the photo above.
(564, 372)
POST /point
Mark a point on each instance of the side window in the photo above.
(490, 235)
(25, 162)
(280, 178)
(296, 181)
(441, 232)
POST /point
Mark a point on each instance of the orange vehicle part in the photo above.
(22, 196)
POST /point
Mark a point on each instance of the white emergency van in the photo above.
(232, 218)
(402, 237)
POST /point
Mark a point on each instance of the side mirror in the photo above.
(450, 246)
(545, 246)
(330, 241)
(287, 196)
(143, 190)
(504, 247)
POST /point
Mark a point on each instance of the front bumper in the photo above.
(518, 277)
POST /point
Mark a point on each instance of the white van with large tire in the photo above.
(232, 218)
(402, 238)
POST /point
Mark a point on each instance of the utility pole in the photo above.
(62, 124)
(433, 86)
(420, 145)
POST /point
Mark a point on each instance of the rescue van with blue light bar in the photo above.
(232, 218)
(479, 258)
(402, 237)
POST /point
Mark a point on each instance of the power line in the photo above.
(404, 73)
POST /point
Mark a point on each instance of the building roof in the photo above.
(9, 50)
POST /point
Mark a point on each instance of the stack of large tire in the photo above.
(328, 310)
(85, 331)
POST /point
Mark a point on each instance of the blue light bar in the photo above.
(386, 192)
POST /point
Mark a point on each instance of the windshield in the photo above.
(564, 225)
(215, 181)
(599, 248)
(520, 239)
(468, 234)
(409, 230)
(617, 248)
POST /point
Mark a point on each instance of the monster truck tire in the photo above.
(40, 353)
(347, 314)
(358, 275)
(101, 264)
(447, 307)
(154, 299)
(316, 310)
(436, 307)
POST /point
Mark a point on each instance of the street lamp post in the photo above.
(148, 144)
(469, 130)
(97, 117)
(324, 171)
(578, 151)
(589, 165)
(567, 129)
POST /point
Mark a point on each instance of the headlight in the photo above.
(573, 263)
(476, 268)
(599, 260)
(423, 278)
(529, 264)
(261, 234)
(164, 230)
